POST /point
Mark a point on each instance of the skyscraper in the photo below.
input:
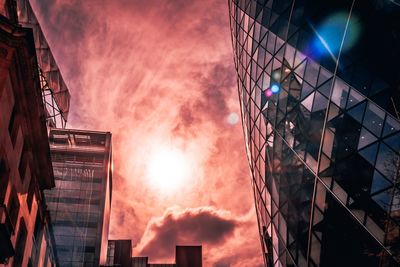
(80, 203)
(319, 84)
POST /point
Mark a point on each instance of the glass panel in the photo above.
(394, 142)
(373, 119)
(308, 102)
(379, 183)
(369, 153)
(387, 162)
(391, 126)
(320, 102)
(324, 75)
(311, 74)
(354, 98)
(357, 112)
(384, 199)
(366, 138)
(339, 94)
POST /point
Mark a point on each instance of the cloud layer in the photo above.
(159, 74)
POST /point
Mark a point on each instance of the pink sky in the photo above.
(159, 75)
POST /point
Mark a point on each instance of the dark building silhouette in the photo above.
(25, 164)
(119, 253)
(188, 256)
(140, 262)
(319, 89)
(80, 203)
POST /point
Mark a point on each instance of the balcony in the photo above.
(6, 230)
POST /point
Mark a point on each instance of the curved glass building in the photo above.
(319, 89)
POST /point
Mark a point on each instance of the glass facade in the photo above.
(319, 83)
(55, 93)
(80, 203)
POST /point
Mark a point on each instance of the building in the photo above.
(319, 89)
(119, 254)
(186, 256)
(80, 203)
(140, 261)
(25, 163)
(55, 93)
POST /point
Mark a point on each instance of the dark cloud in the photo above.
(204, 225)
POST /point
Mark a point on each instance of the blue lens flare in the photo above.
(329, 35)
(275, 88)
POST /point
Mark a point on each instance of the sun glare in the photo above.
(168, 170)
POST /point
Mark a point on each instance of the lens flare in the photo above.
(329, 34)
(233, 118)
(275, 88)
(268, 93)
(276, 75)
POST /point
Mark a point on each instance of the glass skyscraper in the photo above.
(319, 89)
(80, 203)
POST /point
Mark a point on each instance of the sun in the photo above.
(168, 170)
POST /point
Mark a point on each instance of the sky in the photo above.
(159, 75)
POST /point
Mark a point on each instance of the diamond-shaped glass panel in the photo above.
(366, 138)
(354, 98)
(369, 153)
(357, 112)
(373, 119)
(391, 126)
(379, 183)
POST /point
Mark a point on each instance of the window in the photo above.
(3, 180)
(11, 125)
(13, 207)
(23, 162)
(31, 193)
(20, 244)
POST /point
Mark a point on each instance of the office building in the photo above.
(25, 164)
(319, 89)
(80, 203)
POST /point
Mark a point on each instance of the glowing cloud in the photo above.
(168, 170)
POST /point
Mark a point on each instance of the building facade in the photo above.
(319, 89)
(55, 93)
(80, 203)
(25, 163)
